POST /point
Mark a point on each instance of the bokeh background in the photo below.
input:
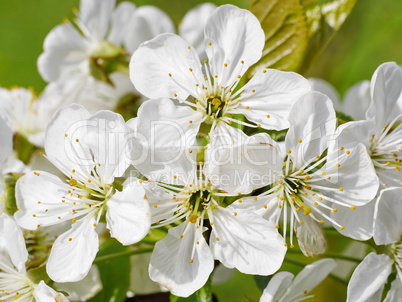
(371, 35)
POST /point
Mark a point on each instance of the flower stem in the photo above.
(122, 254)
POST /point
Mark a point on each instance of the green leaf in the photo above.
(324, 19)
(286, 36)
(115, 274)
(10, 203)
(296, 31)
(204, 294)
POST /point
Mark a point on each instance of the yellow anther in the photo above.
(388, 163)
(334, 210)
(247, 107)
(41, 154)
(323, 173)
(242, 62)
(77, 140)
(292, 246)
(353, 207)
(264, 71)
(170, 74)
(277, 226)
(235, 213)
(191, 151)
(268, 116)
(322, 221)
(341, 189)
(341, 148)
(315, 203)
(289, 151)
(191, 260)
(66, 135)
(239, 76)
(226, 65)
(73, 182)
(155, 206)
(217, 238)
(265, 206)
(70, 239)
(285, 244)
(181, 236)
(94, 224)
(338, 165)
(300, 222)
(190, 69)
(255, 198)
(253, 90)
(189, 47)
(342, 227)
(33, 215)
(197, 242)
(347, 152)
(210, 43)
(73, 220)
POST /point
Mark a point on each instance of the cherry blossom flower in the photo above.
(314, 181)
(284, 287)
(15, 283)
(169, 67)
(91, 152)
(381, 131)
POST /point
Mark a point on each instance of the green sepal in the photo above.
(38, 274)
(24, 148)
(10, 203)
(342, 118)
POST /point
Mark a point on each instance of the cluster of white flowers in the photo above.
(193, 158)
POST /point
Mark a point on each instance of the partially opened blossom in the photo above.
(381, 131)
(311, 181)
(285, 287)
(369, 278)
(106, 34)
(91, 152)
(169, 67)
(15, 283)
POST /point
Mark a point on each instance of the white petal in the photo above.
(326, 88)
(368, 277)
(395, 291)
(224, 135)
(154, 61)
(171, 263)
(276, 287)
(358, 223)
(313, 123)
(64, 49)
(235, 35)
(73, 252)
(353, 132)
(357, 100)
(245, 167)
(40, 200)
(12, 242)
(120, 19)
(387, 217)
(142, 26)
(65, 152)
(84, 289)
(95, 16)
(269, 97)
(44, 293)
(310, 237)
(192, 26)
(106, 134)
(385, 90)
(309, 278)
(128, 215)
(352, 178)
(246, 241)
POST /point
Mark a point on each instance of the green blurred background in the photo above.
(371, 35)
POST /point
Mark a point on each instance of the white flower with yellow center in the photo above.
(368, 280)
(313, 182)
(208, 230)
(91, 152)
(381, 131)
(15, 284)
(169, 67)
